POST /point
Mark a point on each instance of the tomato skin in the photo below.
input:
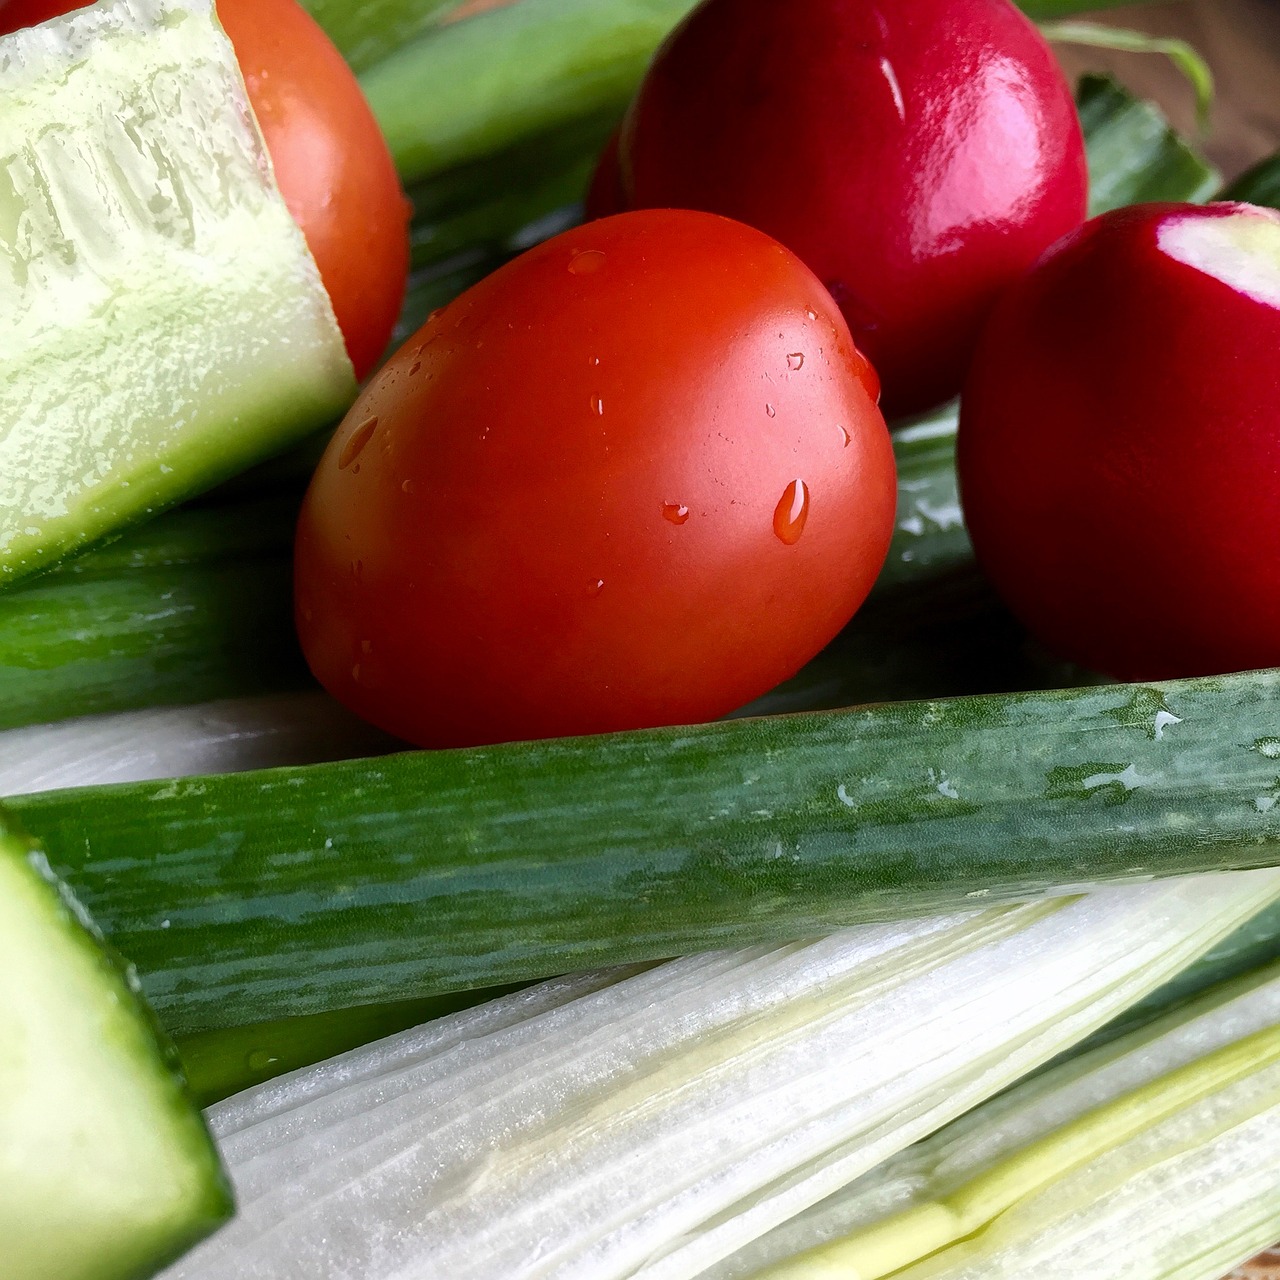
(917, 155)
(331, 162)
(564, 519)
(1119, 455)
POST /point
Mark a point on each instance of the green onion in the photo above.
(191, 607)
(366, 31)
(214, 737)
(651, 1122)
(290, 891)
(1157, 1155)
(478, 87)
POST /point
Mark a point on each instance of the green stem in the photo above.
(478, 87)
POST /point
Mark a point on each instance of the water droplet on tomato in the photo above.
(355, 445)
(675, 512)
(366, 646)
(355, 674)
(597, 406)
(434, 315)
(596, 587)
(586, 262)
(407, 487)
(811, 313)
(795, 360)
(771, 411)
(417, 364)
(845, 437)
(791, 513)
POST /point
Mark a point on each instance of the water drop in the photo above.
(417, 364)
(771, 411)
(366, 646)
(595, 360)
(675, 512)
(355, 673)
(587, 262)
(434, 315)
(795, 360)
(597, 406)
(791, 513)
(407, 487)
(355, 445)
(845, 437)
(260, 1060)
(811, 313)
(595, 588)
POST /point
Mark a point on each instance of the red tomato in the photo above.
(331, 161)
(637, 476)
(1119, 443)
(918, 155)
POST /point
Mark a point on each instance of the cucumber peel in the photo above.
(106, 1169)
(163, 323)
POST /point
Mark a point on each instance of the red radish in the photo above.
(1120, 443)
(917, 155)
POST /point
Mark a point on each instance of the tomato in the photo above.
(330, 159)
(637, 476)
(918, 155)
(1119, 445)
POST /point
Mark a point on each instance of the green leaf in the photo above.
(1259, 185)
(1134, 156)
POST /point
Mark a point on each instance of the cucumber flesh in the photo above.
(106, 1169)
(162, 321)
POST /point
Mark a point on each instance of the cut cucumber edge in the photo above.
(107, 1171)
(163, 321)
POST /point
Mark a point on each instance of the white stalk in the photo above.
(175, 742)
(649, 1123)
(1152, 1157)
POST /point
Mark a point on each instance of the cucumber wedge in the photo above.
(162, 321)
(106, 1169)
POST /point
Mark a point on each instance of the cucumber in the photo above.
(162, 321)
(106, 1169)
(295, 891)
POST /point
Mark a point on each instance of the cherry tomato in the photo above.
(1119, 443)
(918, 155)
(637, 476)
(330, 159)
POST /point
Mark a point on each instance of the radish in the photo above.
(918, 156)
(1120, 443)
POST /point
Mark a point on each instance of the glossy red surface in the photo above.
(917, 155)
(332, 165)
(635, 477)
(1120, 455)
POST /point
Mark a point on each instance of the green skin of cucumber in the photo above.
(261, 895)
(107, 1171)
